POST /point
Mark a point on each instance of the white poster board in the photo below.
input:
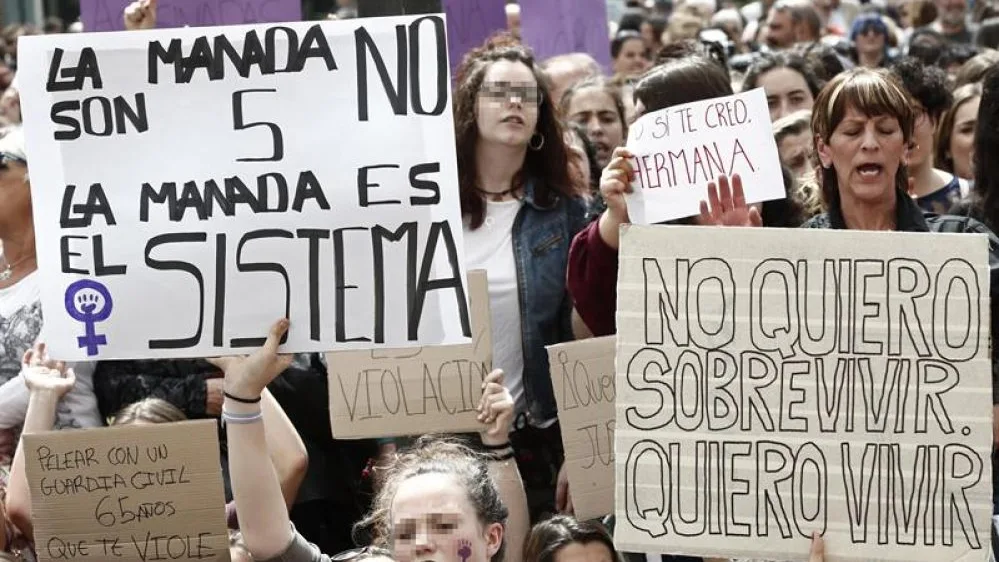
(678, 150)
(770, 386)
(193, 185)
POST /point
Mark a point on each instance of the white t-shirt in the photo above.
(20, 326)
(490, 247)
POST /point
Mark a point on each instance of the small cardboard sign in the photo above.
(132, 493)
(583, 379)
(680, 149)
(412, 391)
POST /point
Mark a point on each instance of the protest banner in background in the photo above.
(770, 386)
(470, 23)
(417, 390)
(583, 380)
(201, 183)
(107, 15)
(680, 149)
(559, 27)
(130, 493)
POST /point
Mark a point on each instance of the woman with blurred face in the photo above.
(629, 54)
(787, 79)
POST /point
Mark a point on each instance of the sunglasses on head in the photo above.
(361, 553)
(512, 91)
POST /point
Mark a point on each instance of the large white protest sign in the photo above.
(769, 386)
(193, 185)
(680, 149)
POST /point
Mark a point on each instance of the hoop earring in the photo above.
(540, 142)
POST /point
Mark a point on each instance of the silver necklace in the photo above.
(8, 271)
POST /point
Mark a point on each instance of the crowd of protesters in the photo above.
(885, 115)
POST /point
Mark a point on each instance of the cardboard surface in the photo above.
(415, 390)
(583, 379)
(771, 385)
(134, 494)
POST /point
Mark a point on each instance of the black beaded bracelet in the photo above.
(496, 447)
(241, 400)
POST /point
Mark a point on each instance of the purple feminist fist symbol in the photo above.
(465, 552)
(89, 302)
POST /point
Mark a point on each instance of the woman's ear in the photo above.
(494, 538)
(823, 151)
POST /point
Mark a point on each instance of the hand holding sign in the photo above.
(42, 374)
(247, 377)
(615, 182)
(140, 14)
(728, 208)
(495, 410)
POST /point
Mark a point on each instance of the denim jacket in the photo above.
(541, 238)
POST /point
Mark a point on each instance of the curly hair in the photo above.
(432, 454)
(926, 84)
(550, 164)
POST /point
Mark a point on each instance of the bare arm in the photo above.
(263, 514)
(285, 448)
(48, 382)
(496, 414)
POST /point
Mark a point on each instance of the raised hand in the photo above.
(495, 410)
(563, 496)
(727, 207)
(42, 374)
(615, 182)
(140, 14)
(247, 377)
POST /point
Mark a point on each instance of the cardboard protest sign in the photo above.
(131, 493)
(412, 391)
(678, 150)
(559, 27)
(469, 23)
(201, 183)
(770, 386)
(583, 381)
(107, 15)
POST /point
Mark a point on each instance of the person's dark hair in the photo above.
(988, 34)
(621, 38)
(872, 92)
(788, 212)
(679, 81)
(926, 84)
(974, 69)
(771, 61)
(550, 163)
(687, 47)
(986, 188)
(658, 23)
(598, 82)
(956, 53)
(925, 14)
(552, 535)
(593, 181)
(824, 61)
(437, 455)
(804, 12)
(945, 130)
(926, 45)
(631, 20)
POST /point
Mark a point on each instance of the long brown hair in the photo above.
(550, 164)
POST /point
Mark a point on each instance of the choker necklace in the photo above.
(497, 196)
(8, 270)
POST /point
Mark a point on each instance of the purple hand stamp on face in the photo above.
(465, 550)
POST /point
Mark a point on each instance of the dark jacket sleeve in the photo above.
(974, 226)
(578, 217)
(180, 382)
(592, 280)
